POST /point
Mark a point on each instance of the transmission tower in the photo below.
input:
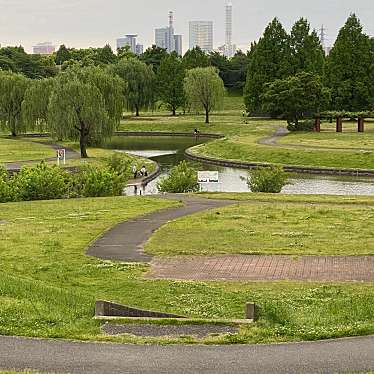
(323, 36)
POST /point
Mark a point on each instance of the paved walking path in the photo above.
(264, 268)
(354, 355)
(125, 242)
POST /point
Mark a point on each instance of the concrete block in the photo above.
(250, 311)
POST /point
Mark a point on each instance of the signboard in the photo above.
(61, 155)
(208, 177)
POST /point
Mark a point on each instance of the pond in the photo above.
(169, 151)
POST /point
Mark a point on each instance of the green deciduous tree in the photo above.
(350, 68)
(153, 56)
(12, 92)
(140, 83)
(306, 50)
(85, 104)
(196, 58)
(204, 89)
(295, 97)
(170, 82)
(269, 59)
(35, 104)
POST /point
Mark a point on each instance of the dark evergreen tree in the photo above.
(196, 58)
(349, 68)
(306, 50)
(153, 56)
(269, 59)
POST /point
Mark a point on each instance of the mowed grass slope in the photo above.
(23, 150)
(48, 286)
(278, 226)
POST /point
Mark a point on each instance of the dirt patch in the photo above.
(199, 331)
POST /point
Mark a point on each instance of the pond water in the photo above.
(169, 151)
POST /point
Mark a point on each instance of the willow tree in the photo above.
(85, 105)
(204, 90)
(35, 104)
(139, 81)
(12, 92)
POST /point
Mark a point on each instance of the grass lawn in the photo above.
(23, 150)
(277, 226)
(48, 286)
(329, 138)
(242, 135)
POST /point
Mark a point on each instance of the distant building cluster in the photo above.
(201, 34)
(45, 48)
(165, 37)
(130, 41)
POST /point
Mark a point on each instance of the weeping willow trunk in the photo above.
(83, 131)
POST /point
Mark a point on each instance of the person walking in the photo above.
(135, 171)
(144, 171)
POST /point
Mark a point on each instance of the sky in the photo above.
(85, 23)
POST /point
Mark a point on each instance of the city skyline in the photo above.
(64, 23)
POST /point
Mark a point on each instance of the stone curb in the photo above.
(289, 168)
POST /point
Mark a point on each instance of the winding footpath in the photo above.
(125, 242)
(16, 165)
(353, 355)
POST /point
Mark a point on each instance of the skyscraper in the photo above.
(130, 40)
(229, 49)
(165, 37)
(201, 35)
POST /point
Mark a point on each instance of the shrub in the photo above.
(41, 182)
(269, 179)
(306, 125)
(182, 179)
(94, 181)
(7, 193)
(119, 163)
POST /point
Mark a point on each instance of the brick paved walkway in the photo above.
(267, 268)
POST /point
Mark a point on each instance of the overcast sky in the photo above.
(84, 23)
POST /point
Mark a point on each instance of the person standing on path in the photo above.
(134, 171)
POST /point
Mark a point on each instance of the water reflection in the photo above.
(169, 151)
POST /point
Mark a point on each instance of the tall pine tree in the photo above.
(269, 59)
(350, 70)
(307, 54)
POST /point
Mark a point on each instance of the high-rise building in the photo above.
(130, 40)
(201, 35)
(178, 44)
(165, 37)
(46, 48)
(139, 49)
(229, 49)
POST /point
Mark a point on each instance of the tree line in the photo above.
(87, 103)
(289, 74)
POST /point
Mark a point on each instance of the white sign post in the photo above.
(205, 178)
(61, 155)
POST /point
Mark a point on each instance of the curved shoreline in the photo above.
(235, 163)
(289, 168)
(249, 165)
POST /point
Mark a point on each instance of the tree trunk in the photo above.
(137, 111)
(206, 116)
(174, 112)
(83, 141)
(14, 134)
